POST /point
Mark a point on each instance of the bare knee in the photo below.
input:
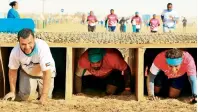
(157, 89)
(111, 89)
(174, 93)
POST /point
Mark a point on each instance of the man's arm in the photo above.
(127, 77)
(150, 84)
(12, 79)
(46, 82)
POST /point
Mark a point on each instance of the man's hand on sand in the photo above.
(126, 92)
(153, 98)
(10, 95)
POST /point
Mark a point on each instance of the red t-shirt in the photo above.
(112, 19)
(112, 60)
(187, 65)
(91, 20)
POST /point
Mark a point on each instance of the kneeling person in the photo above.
(107, 65)
(37, 68)
(174, 63)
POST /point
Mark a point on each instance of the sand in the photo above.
(100, 104)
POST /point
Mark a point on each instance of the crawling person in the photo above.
(108, 70)
(174, 64)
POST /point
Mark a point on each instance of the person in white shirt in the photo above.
(169, 18)
(37, 68)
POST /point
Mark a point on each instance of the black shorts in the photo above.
(114, 78)
(162, 80)
(153, 31)
(91, 28)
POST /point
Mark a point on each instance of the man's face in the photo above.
(169, 7)
(154, 16)
(91, 13)
(97, 65)
(136, 15)
(27, 45)
(16, 6)
(174, 69)
(112, 11)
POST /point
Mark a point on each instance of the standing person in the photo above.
(12, 13)
(111, 21)
(174, 64)
(136, 22)
(107, 67)
(184, 21)
(154, 24)
(123, 23)
(169, 18)
(91, 19)
(83, 19)
(37, 68)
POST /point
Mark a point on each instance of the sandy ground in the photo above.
(100, 104)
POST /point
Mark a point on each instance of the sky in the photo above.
(187, 8)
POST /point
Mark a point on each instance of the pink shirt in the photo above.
(154, 23)
(188, 65)
(111, 60)
(91, 19)
(137, 20)
(112, 19)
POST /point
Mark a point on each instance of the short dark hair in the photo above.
(174, 53)
(12, 3)
(25, 33)
(169, 4)
(112, 10)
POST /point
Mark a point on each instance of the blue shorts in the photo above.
(162, 80)
(112, 28)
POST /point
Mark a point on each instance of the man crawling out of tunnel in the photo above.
(104, 69)
(169, 69)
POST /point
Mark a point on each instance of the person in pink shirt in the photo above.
(136, 22)
(111, 21)
(174, 64)
(154, 24)
(105, 69)
(91, 19)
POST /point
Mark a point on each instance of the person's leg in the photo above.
(134, 28)
(40, 83)
(89, 28)
(124, 28)
(159, 82)
(165, 29)
(176, 86)
(27, 87)
(113, 28)
(115, 82)
(109, 29)
(94, 28)
(137, 30)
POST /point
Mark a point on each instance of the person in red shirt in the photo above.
(154, 24)
(136, 22)
(168, 71)
(111, 21)
(91, 19)
(108, 66)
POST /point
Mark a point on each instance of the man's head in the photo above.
(174, 59)
(169, 6)
(154, 16)
(14, 4)
(136, 14)
(112, 11)
(91, 13)
(95, 56)
(26, 40)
